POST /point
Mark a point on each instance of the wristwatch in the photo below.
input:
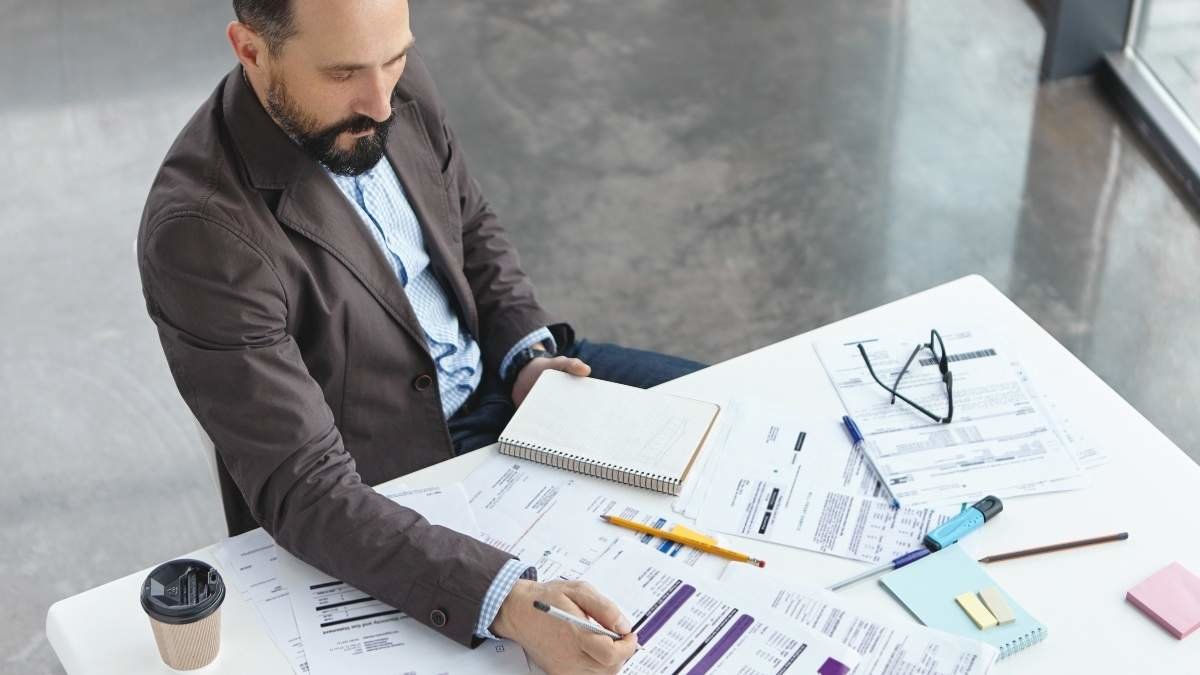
(521, 359)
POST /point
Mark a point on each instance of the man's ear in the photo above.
(248, 47)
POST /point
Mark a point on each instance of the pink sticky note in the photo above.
(1171, 596)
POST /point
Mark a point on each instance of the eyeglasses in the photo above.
(938, 349)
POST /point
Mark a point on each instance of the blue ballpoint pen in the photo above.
(893, 565)
(860, 444)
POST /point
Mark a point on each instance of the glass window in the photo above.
(1166, 39)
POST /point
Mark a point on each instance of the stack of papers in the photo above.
(542, 515)
(324, 626)
(776, 479)
(770, 472)
(1002, 441)
(788, 475)
(692, 612)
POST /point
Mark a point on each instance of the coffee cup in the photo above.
(183, 600)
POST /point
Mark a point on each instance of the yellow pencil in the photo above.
(684, 539)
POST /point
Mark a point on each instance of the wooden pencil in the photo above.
(1120, 536)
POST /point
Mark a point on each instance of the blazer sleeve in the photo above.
(221, 310)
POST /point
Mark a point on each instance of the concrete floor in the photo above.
(694, 176)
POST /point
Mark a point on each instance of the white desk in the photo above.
(1149, 488)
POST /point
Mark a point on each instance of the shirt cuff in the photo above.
(497, 593)
(539, 335)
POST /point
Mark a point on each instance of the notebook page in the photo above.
(634, 429)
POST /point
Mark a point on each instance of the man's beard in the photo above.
(320, 143)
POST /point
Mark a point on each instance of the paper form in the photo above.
(576, 522)
(774, 444)
(1001, 441)
(249, 562)
(886, 649)
(345, 630)
(777, 482)
(1088, 454)
(550, 519)
(837, 523)
(689, 624)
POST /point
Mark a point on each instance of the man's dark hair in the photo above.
(271, 19)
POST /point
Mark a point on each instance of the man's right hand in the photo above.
(555, 645)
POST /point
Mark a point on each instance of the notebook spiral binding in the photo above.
(1023, 642)
(588, 467)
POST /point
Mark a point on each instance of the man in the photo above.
(339, 306)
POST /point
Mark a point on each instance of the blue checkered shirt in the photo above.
(379, 198)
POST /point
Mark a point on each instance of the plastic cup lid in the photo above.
(182, 591)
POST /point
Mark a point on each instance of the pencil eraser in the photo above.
(1171, 597)
(979, 614)
(994, 600)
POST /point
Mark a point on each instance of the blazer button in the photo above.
(438, 618)
(422, 382)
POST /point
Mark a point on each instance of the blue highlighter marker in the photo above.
(964, 523)
(950, 532)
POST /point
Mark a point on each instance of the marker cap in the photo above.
(989, 506)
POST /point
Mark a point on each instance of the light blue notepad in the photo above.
(928, 588)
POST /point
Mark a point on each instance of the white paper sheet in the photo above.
(344, 630)
(1001, 441)
(837, 523)
(550, 518)
(1088, 453)
(249, 562)
(886, 649)
(576, 524)
(688, 623)
(783, 446)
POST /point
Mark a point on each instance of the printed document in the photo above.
(837, 523)
(885, 649)
(1001, 441)
(550, 518)
(1088, 454)
(781, 445)
(690, 624)
(777, 482)
(347, 631)
(249, 562)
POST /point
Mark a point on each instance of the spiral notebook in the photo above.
(635, 436)
(928, 588)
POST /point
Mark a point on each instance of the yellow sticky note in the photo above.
(693, 535)
(994, 600)
(974, 608)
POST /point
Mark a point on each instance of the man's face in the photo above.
(330, 86)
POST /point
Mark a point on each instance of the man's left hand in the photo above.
(529, 374)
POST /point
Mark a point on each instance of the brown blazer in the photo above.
(293, 343)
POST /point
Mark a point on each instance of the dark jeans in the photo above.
(482, 418)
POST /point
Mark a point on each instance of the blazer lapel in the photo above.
(313, 206)
(311, 203)
(416, 166)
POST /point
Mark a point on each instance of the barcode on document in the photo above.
(966, 356)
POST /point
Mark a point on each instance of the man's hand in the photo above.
(529, 374)
(555, 645)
